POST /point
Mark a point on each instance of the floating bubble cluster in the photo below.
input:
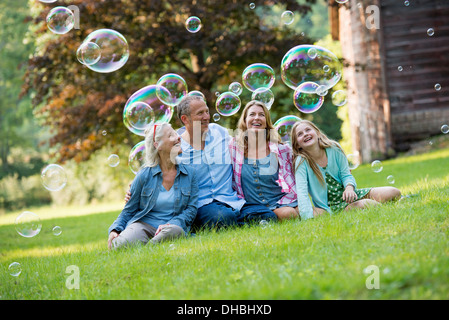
(113, 53)
(147, 96)
(308, 63)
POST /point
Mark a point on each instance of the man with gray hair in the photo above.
(205, 146)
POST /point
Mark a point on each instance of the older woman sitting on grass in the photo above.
(164, 194)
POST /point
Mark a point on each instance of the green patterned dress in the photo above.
(335, 194)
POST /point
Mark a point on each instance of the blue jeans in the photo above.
(215, 214)
(218, 214)
(255, 213)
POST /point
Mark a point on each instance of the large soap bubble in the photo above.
(160, 111)
(258, 75)
(28, 224)
(309, 63)
(228, 103)
(284, 127)
(136, 157)
(54, 177)
(60, 20)
(176, 86)
(305, 98)
(114, 50)
(137, 116)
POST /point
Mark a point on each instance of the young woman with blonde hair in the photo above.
(322, 170)
(262, 163)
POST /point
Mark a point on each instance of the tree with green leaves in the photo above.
(16, 118)
(78, 104)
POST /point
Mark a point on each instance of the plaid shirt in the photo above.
(286, 179)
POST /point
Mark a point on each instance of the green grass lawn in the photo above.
(322, 258)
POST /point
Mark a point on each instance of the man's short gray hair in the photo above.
(184, 106)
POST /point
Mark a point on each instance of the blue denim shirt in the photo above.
(145, 191)
(213, 167)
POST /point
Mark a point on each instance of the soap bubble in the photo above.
(252, 5)
(15, 269)
(406, 3)
(136, 157)
(193, 24)
(137, 116)
(216, 117)
(258, 75)
(341, 1)
(339, 98)
(264, 95)
(57, 230)
(236, 88)
(197, 93)
(305, 99)
(445, 128)
(28, 224)
(305, 63)
(287, 17)
(437, 87)
(390, 179)
(400, 68)
(228, 103)
(161, 111)
(48, 1)
(113, 160)
(430, 32)
(264, 224)
(60, 20)
(353, 161)
(54, 177)
(377, 166)
(176, 86)
(88, 53)
(114, 50)
(321, 91)
(284, 127)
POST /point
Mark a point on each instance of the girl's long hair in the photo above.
(323, 141)
(242, 134)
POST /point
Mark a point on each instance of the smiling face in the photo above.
(170, 143)
(305, 136)
(255, 118)
(199, 114)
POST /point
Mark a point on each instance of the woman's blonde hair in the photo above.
(242, 134)
(323, 141)
(153, 133)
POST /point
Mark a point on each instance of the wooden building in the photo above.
(397, 71)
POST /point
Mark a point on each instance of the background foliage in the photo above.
(64, 107)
